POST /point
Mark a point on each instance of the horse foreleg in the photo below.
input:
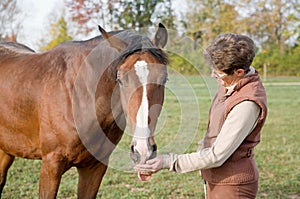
(90, 179)
(53, 167)
(5, 162)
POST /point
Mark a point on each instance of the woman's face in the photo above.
(225, 79)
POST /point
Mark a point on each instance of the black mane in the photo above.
(137, 43)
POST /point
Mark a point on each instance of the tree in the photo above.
(119, 14)
(59, 34)
(86, 14)
(10, 22)
(136, 14)
(209, 18)
(272, 22)
(166, 15)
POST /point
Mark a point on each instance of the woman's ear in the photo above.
(240, 72)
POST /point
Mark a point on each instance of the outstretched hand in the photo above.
(151, 166)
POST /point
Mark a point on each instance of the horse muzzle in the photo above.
(141, 151)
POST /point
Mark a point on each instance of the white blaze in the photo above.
(142, 129)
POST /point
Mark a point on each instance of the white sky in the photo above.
(38, 15)
(36, 20)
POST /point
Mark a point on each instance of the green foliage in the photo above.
(180, 64)
(59, 34)
(165, 14)
(272, 24)
(209, 18)
(185, 55)
(278, 63)
(134, 14)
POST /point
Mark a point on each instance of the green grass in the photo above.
(182, 124)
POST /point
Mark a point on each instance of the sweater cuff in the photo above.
(166, 161)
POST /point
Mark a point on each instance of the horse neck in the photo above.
(107, 99)
(101, 71)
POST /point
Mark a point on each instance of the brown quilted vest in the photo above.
(240, 167)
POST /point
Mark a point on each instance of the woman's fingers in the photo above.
(152, 165)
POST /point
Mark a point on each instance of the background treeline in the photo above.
(273, 24)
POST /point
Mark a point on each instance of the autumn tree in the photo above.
(166, 15)
(203, 22)
(208, 18)
(135, 14)
(271, 22)
(10, 22)
(59, 34)
(119, 14)
(274, 25)
(84, 15)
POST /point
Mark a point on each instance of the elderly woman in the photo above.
(237, 114)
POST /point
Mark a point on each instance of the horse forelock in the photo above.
(136, 43)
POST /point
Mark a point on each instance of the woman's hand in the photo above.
(152, 166)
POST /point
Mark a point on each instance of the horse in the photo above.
(69, 106)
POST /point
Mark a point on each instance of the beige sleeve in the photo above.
(239, 123)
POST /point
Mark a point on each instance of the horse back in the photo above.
(14, 48)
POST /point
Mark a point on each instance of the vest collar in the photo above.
(251, 76)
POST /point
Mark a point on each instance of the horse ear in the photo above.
(161, 36)
(114, 41)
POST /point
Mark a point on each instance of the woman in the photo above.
(237, 114)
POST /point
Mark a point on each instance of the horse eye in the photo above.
(120, 81)
(119, 78)
(164, 81)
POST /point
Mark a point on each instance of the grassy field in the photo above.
(182, 124)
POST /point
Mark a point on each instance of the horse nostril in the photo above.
(135, 155)
(154, 151)
(154, 148)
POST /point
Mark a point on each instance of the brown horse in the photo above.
(69, 106)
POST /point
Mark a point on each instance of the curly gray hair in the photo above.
(229, 52)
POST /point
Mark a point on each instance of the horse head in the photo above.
(141, 75)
